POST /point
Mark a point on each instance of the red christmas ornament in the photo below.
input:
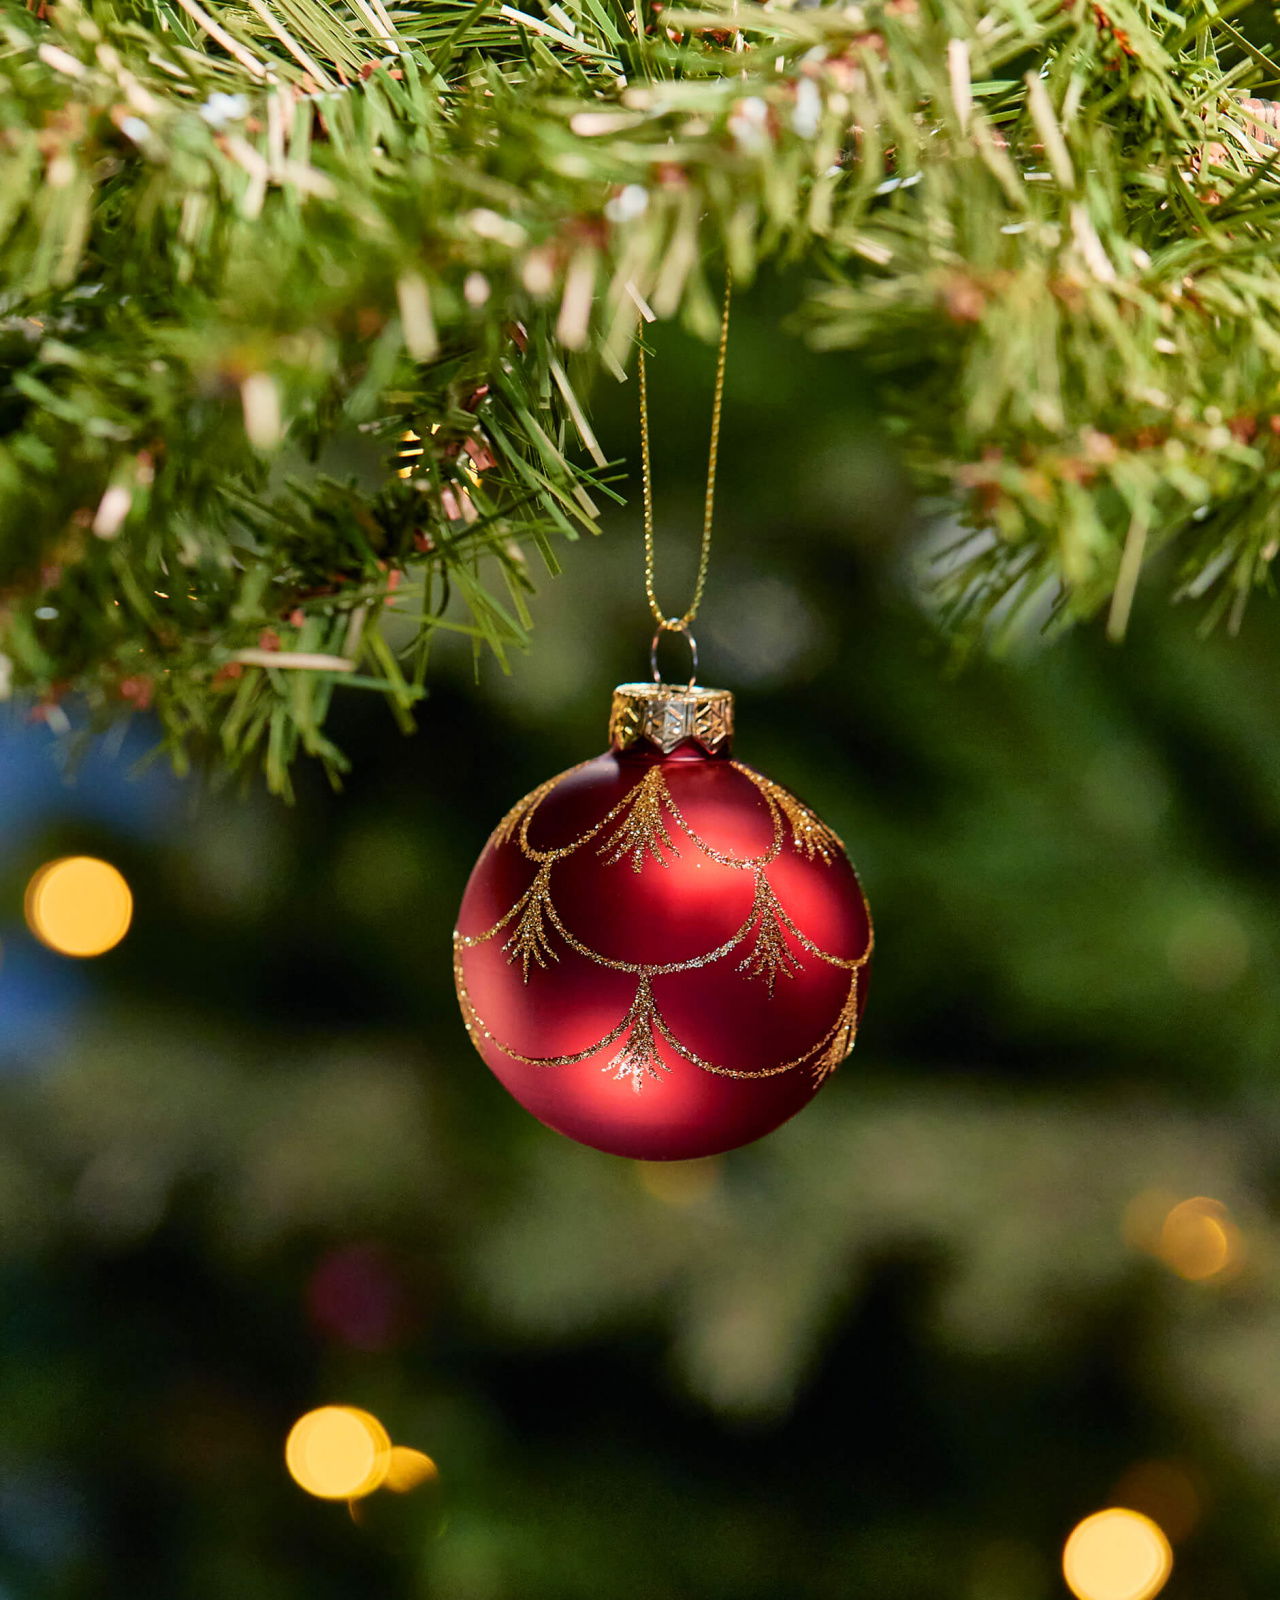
(662, 953)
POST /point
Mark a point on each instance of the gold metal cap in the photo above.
(666, 714)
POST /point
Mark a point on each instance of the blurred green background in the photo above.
(249, 1165)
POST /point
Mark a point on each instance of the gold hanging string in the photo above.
(674, 624)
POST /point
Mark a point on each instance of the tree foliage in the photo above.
(301, 305)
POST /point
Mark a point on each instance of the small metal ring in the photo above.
(674, 627)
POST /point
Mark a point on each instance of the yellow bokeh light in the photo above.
(338, 1453)
(1116, 1555)
(79, 906)
(408, 1469)
(1199, 1241)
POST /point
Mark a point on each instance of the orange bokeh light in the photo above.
(1199, 1241)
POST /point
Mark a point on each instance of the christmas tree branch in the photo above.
(302, 306)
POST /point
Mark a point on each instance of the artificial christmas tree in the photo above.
(241, 243)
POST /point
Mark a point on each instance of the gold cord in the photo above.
(675, 624)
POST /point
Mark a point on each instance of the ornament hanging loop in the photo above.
(674, 625)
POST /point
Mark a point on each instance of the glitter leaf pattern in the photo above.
(642, 831)
(809, 834)
(840, 1041)
(531, 941)
(505, 830)
(771, 954)
(638, 1059)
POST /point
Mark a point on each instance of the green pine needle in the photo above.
(301, 306)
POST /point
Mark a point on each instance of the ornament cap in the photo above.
(667, 714)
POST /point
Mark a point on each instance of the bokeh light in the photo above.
(338, 1453)
(1199, 1241)
(1116, 1554)
(408, 1470)
(1195, 1238)
(79, 906)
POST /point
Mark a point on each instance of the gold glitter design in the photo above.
(771, 953)
(809, 834)
(843, 1035)
(475, 1024)
(746, 863)
(832, 1048)
(639, 1059)
(663, 969)
(503, 832)
(829, 1042)
(656, 783)
(643, 828)
(641, 832)
(529, 942)
(649, 969)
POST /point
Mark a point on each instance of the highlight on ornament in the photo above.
(79, 906)
(338, 1453)
(1117, 1554)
